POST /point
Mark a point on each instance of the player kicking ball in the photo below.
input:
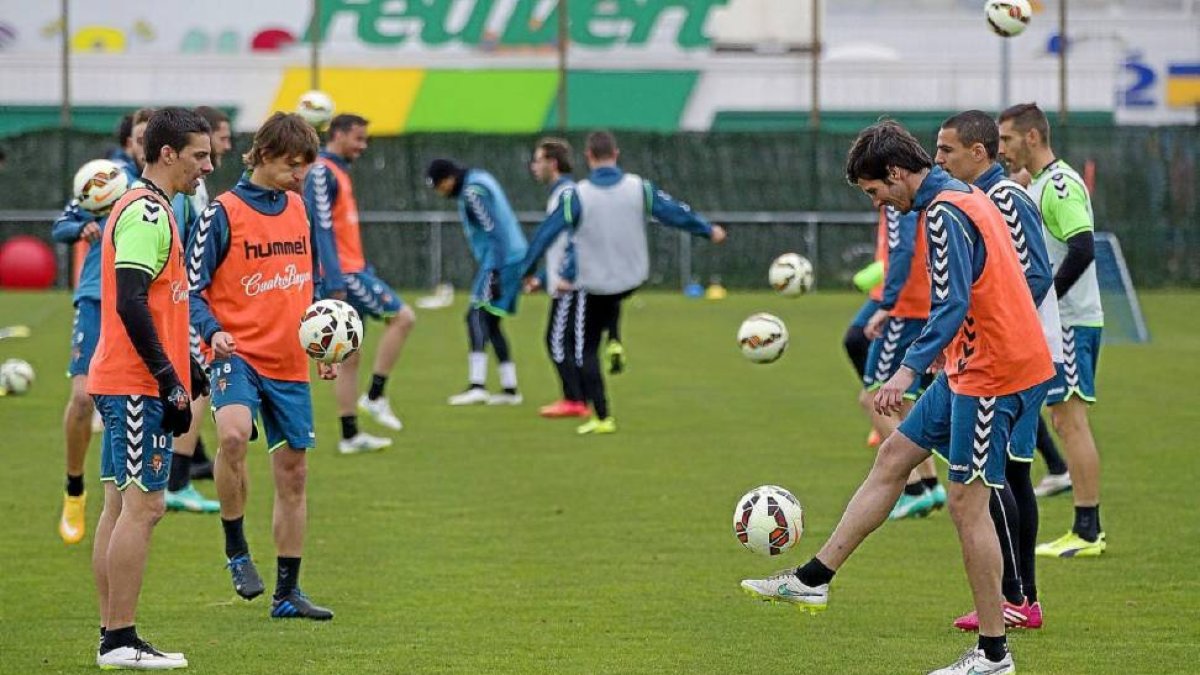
(250, 264)
(984, 329)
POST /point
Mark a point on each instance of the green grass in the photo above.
(489, 540)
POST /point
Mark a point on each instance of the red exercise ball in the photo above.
(27, 262)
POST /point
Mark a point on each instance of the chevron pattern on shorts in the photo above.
(983, 432)
(1070, 365)
(887, 353)
(134, 436)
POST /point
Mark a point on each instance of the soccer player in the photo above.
(606, 216)
(140, 376)
(498, 244)
(75, 225)
(251, 263)
(983, 329)
(899, 319)
(190, 460)
(855, 342)
(967, 146)
(345, 275)
(1066, 211)
(551, 166)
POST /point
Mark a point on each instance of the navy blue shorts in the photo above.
(285, 407)
(972, 433)
(134, 449)
(85, 334)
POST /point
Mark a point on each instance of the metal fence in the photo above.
(419, 249)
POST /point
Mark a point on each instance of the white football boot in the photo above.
(380, 411)
(786, 587)
(975, 662)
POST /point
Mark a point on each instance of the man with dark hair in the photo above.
(141, 376)
(250, 256)
(1066, 209)
(898, 321)
(124, 135)
(498, 244)
(346, 275)
(983, 330)
(606, 216)
(84, 229)
(551, 166)
(191, 461)
(967, 147)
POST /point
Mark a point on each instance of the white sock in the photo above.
(508, 375)
(477, 369)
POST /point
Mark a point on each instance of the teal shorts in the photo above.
(886, 353)
(85, 335)
(370, 296)
(134, 449)
(285, 407)
(1076, 375)
(972, 433)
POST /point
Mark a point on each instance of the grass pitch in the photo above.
(489, 540)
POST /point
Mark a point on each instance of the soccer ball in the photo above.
(768, 520)
(16, 376)
(791, 274)
(315, 107)
(1008, 18)
(330, 331)
(99, 184)
(763, 337)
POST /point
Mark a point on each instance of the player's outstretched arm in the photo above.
(563, 216)
(671, 212)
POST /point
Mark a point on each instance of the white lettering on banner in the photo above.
(255, 284)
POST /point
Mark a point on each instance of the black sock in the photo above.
(915, 489)
(119, 637)
(199, 456)
(235, 538)
(378, 382)
(1046, 446)
(181, 473)
(993, 647)
(349, 427)
(287, 576)
(101, 633)
(814, 573)
(1087, 522)
(510, 390)
(930, 483)
(74, 485)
